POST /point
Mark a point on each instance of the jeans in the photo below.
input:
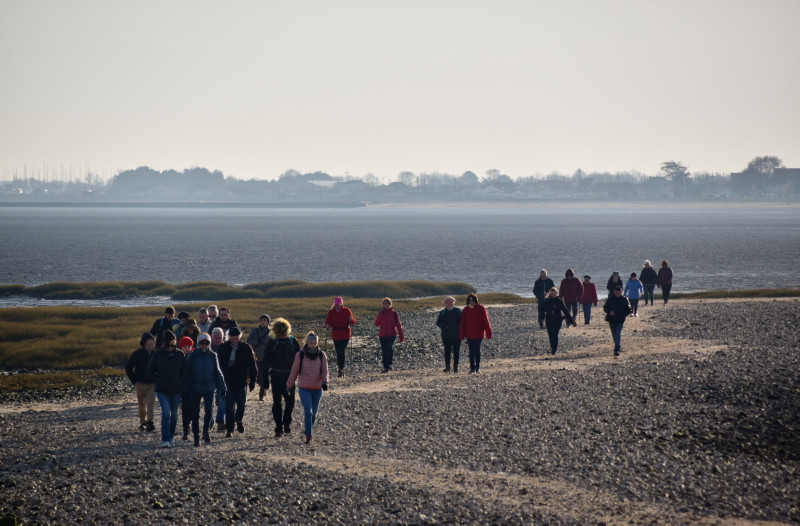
(186, 410)
(648, 293)
(634, 305)
(282, 416)
(340, 346)
(208, 403)
(453, 346)
(665, 292)
(552, 334)
(310, 399)
(587, 312)
(616, 333)
(387, 350)
(235, 399)
(474, 354)
(169, 414)
(572, 307)
(220, 408)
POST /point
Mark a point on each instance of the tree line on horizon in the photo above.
(764, 177)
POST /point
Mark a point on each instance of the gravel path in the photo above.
(696, 422)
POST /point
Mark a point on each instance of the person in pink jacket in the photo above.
(474, 326)
(589, 298)
(390, 328)
(310, 369)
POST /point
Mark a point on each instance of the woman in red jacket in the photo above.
(390, 328)
(339, 321)
(589, 298)
(474, 326)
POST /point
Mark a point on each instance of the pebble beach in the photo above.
(696, 422)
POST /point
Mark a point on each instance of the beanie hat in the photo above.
(338, 300)
(185, 341)
(204, 338)
(264, 317)
(234, 331)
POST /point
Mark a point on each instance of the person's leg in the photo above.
(478, 355)
(241, 402)
(456, 354)
(175, 402)
(316, 397)
(448, 348)
(635, 307)
(187, 411)
(196, 413)
(261, 390)
(163, 401)
(340, 346)
(220, 410)
(388, 344)
(277, 403)
(208, 403)
(150, 402)
(141, 393)
(471, 348)
(287, 414)
(552, 335)
(587, 313)
(384, 353)
(665, 290)
(305, 399)
(540, 308)
(230, 408)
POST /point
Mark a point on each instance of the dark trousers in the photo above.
(340, 346)
(572, 307)
(474, 354)
(665, 292)
(635, 306)
(648, 294)
(261, 389)
(208, 405)
(540, 306)
(387, 350)
(552, 334)
(235, 399)
(454, 346)
(282, 415)
(186, 410)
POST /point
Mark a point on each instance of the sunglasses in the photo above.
(204, 343)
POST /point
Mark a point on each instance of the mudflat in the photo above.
(697, 421)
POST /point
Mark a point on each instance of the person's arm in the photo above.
(251, 359)
(295, 371)
(486, 325)
(129, 368)
(399, 327)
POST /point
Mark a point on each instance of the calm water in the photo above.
(730, 247)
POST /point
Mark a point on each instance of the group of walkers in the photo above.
(556, 305)
(188, 364)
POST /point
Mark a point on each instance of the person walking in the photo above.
(278, 361)
(162, 325)
(167, 368)
(665, 280)
(224, 321)
(571, 291)
(588, 298)
(136, 369)
(613, 282)
(473, 327)
(203, 377)
(217, 339)
(310, 369)
(339, 321)
(617, 309)
(649, 279)
(186, 346)
(448, 321)
(633, 291)
(390, 329)
(238, 364)
(258, 339)
(541, 288)
(553, 315)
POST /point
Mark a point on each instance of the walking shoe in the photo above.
(553, 352)
(228, 434)
(287, 430)
(150, 427)
(206, 438)
(446, 370)
(586, 323)
(142, 426)
(221, 426)
(165, 443)
(472, 370)
(278, 433)
(239, 426)
(385, 370)
(186, 435)
(636, 315)
(308, 439)
(390, 368)
(341, 373)
(455, 368)
(197, 441)
(171, 443)
(616, 352)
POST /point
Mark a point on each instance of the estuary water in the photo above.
(495, 249)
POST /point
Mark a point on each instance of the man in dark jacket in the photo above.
(258, 339)
(448, 321)
(617, 307)
(224, 321)
(541, 287)
(238, 363)
(204, 376)
(278, 361)
(168, 369)
(163, 324)
(136, 369)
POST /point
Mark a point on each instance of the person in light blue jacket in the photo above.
(204, 376)
(633, 291)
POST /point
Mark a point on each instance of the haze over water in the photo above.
(494, 249)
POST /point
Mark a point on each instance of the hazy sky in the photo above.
(253, 88)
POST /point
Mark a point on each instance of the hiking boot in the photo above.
(287, 430)
(341, 373)
(206, 438)
(150, 427)
(186, 435)
(446, 370)
(197, 441)
(228, 434)
(616, 352)
(239, 426)
(308, 439)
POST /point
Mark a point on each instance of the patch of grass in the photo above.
(101, 290)
(11, 290)
(202, 290)
(362, 289)
(58, 380)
